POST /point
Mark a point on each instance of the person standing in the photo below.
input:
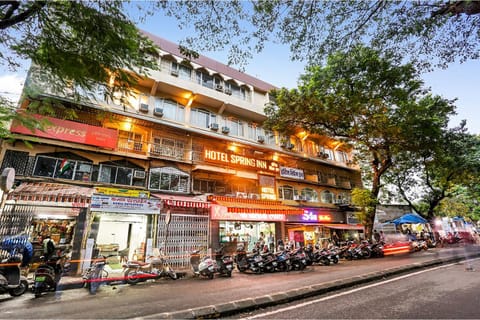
(335, 238)
(376, 236)
(48, 247)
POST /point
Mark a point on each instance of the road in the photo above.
(167, 296)
(446, 292)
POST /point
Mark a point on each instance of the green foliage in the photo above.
(364, 202)
(428, 33)
(368, 99)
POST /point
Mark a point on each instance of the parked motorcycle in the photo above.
(158, 267)
(224, 262)
(298, 259)
(47, 275)
(11, 280)
(248, 261)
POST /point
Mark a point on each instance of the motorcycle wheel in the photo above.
(229, 273)
(325, 261)
(335, 260)
(210, 275)
(37, 292)
(131, 277)
(21, 289)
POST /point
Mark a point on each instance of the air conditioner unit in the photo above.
(174, 73)
(290, 146)
(228, 91)
(225, 129)
(349, 162)
(323, 155)
(158, 112)
(218, 87)
(299, 198)
(137, 174)
(261, 139)
(214, 126)
(144, 107)
(253, 196)
(242, 195)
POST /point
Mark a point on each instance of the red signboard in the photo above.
(73, 132)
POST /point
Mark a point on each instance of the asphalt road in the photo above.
(449, 291)
(165, 298)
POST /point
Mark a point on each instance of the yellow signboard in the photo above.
(123, 192)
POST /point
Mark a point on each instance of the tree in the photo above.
(367, 99)
(429, 32)
(366, 204)
(431, 176)
(84, 44)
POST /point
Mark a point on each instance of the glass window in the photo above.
(202, 118)
(309, 195)
(185, 72)
(63, 168)
(170, 109)
(169, 179)
(115, 175)
(286, 192)
(236, 127)
(327, 196)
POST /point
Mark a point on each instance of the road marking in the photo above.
(353, 290)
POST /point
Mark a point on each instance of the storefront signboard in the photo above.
(125, 205)
(122, 192)
(293, 173)
(219, 212)
(310, 216)
(239, 160)
(73, 132)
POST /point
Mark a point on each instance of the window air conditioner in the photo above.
(174, 73)
(218, 87)
(242, 195)
(214, 126)
(228, 91)
(253, 196)
(290, 146)
(137, 174)
(225, 129)
(158, 112)
(144, 107)
(261, 139)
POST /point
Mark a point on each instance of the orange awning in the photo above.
(240, 205)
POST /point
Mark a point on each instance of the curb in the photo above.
(249, 304)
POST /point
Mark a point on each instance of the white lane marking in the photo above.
(352, 291)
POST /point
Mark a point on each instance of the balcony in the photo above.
(163, 151)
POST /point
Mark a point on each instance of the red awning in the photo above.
(344, 226)
(51, 192)
(182, 201)
(240, 205)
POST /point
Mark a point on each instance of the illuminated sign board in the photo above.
(219, 212)
(72, 131)
(312, 217)
(239, 160)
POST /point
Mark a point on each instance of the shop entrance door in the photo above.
(118, 232)
(185, 234)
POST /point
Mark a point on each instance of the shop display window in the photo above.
(249, 233)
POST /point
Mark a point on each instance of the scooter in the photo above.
(224, 262)
(11, 280)
(47, 275)
(138, 271)
(206, 267)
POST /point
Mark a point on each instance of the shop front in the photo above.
(49, 209)
(320, 226)
(122, 225)
(248, 221)
(187, 228)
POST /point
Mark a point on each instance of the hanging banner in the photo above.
(125, 205)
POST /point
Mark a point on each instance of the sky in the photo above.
(274, 66)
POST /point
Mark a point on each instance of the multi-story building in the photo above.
(184, 164)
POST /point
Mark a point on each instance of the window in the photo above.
(309, 194)
(236, 127)
(341, 156)
(204, 79)
(286, 192)
(130, 141)
(202, 118)
(328, 153)
(327, 196)
(169, 179)
(269, 138)
(17, 160)
(115, 175)
(205, 186)
(184, 71)
(170, 109)
(63, 168)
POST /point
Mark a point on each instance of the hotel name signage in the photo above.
(292, 173)
(239, 160)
